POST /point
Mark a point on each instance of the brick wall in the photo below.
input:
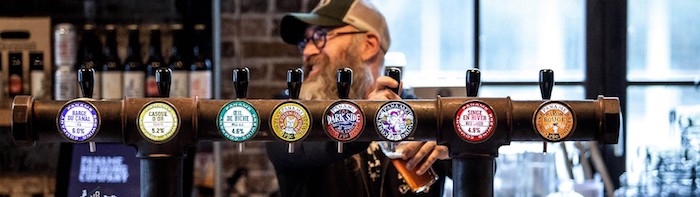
(250, 38)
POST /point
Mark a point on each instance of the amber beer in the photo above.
(418, 183)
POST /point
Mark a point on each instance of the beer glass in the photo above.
(418, 183)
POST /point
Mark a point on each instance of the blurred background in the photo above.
(643, 51)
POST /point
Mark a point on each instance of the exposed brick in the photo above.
(275, 30)
(288, 6)
(228, 6)
(230, 27)
(253, 27)
(228, 49)
(279, 71)
(265, 92)
(269, 49)
(311, 4)
(254, 6)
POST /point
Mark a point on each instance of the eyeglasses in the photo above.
(320, 36)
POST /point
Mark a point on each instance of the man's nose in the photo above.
(310, 49)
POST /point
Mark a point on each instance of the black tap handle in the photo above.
(241, 76)
(344, 82)
(163, 79)
(86, 79)
(546, 83)
(295, 78)
(473, 82)
(394, 73)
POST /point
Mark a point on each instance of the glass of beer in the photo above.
(418, 183)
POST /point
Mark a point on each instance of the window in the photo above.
(663, 61)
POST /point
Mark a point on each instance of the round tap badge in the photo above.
(395, 120)
(554, 121)
(238, 121)
(78, 121)
(474, 121)
(290, 121)
(343, 121)
(158, 121)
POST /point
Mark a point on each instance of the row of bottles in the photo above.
(131, 78)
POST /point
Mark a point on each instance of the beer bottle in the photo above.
(200, 70)
(90, 56)
(15, 82)
(111, 69)
(179, 64)
(65, 86)
(36, 75)
(134, 73)
(155, 61)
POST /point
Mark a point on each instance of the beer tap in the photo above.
(344, 84)
(86, 79)
(293, 115)
(546, 85)
(473, 81)
(241, 76)
(163, 79)
(394, 73)
(295, 77)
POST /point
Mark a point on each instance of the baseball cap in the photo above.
(360, 14)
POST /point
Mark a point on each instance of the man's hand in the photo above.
(428, 152)
(381, 92)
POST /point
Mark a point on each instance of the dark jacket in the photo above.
(316, 169)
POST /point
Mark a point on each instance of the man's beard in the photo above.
(323, 86)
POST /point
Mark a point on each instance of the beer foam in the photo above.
(393, 155)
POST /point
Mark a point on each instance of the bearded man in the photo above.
(339, 34)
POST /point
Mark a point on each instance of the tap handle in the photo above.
(473, 82)
(295, 78)
(163, 79)
(546, 83)
(241, 76)
(344, 82)
(86, 79)
(394, 73)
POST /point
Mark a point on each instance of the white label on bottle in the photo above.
(200, 84)
(37, 83)
(66, 83)
(179, 84)
(97, 87)
(112, 88)
(134, 84)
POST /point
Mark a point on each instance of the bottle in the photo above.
(134, 73)
(65, 76)
(155, 61)
(179, 64)
(111, 69)
(15, 79)
(90, 56)
(36, 75)
(200, 70)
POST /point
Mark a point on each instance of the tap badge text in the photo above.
(238, 121)
(158, 122)
(343, 121)
(474, 122)
(78, 121)
(554, 121)
(290, 121)
(395, 120)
